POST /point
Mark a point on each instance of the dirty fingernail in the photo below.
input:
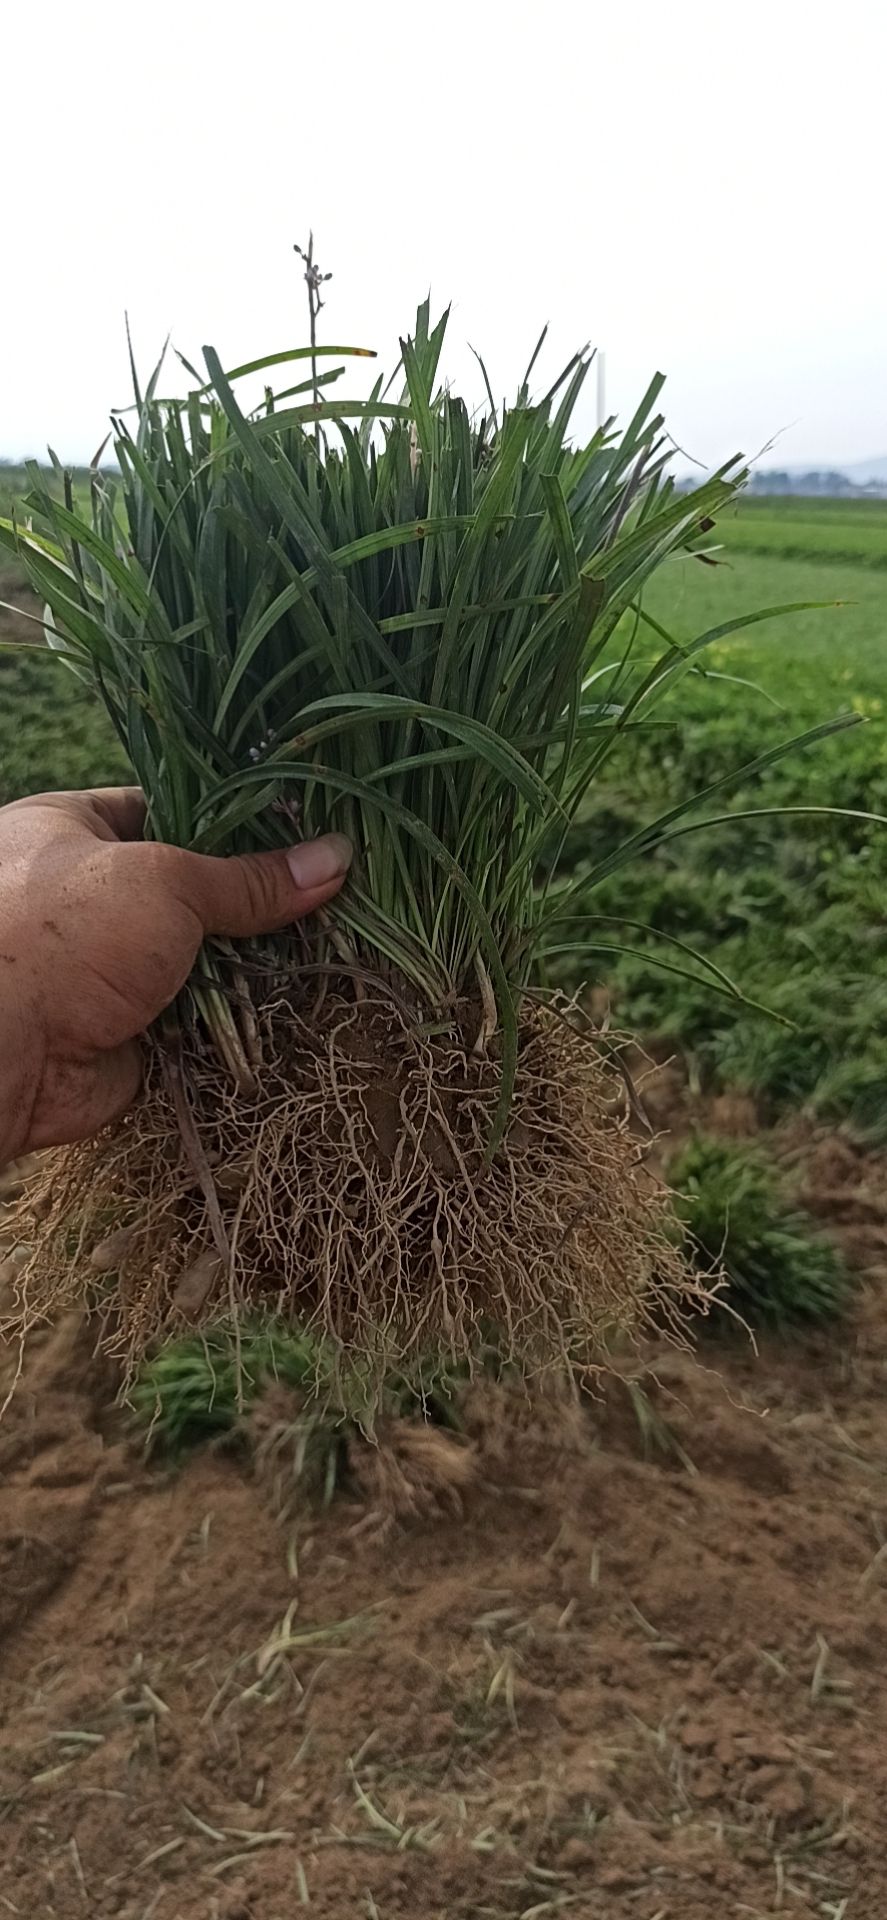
(317, 862)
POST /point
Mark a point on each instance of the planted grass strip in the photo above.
(419, 627)
(777, 1268)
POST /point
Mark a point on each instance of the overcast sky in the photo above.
(696, 187)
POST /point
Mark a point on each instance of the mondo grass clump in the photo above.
(776, 1269)
(199, 1387)
(422, 626)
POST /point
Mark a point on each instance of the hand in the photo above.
(98, 931)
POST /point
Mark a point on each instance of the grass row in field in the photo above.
(793, 907)
(777, 1267)
(15, 482)
(848, 532)
(799, 506)
(53, 733)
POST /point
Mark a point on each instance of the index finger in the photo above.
(110, 813)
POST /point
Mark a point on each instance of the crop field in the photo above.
(792, 528)
(790, 905)
(623, 1664)
(52, 733)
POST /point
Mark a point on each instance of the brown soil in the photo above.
(583, 1680)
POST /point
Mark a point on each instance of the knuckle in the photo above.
(158, 866)
(260, 887)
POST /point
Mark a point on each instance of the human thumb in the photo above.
(255, 893)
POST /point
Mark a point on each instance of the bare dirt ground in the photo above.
(605, 1679)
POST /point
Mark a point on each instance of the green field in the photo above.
(52, 732)
(854, 531)
(15, 483)
(793, 908)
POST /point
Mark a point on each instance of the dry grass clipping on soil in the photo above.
(353, 1196)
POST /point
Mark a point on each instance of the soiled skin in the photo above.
(98, 931)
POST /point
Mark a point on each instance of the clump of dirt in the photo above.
(405, 1469)
(843, 1184)
(354, 1193)
(410, 1470)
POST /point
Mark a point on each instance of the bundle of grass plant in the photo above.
(424, 629)
(198, 1387)
(778, 1268)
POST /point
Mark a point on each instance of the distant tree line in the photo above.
(825, 482)
(819, 483)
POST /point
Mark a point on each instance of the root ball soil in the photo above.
(354, 1193)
